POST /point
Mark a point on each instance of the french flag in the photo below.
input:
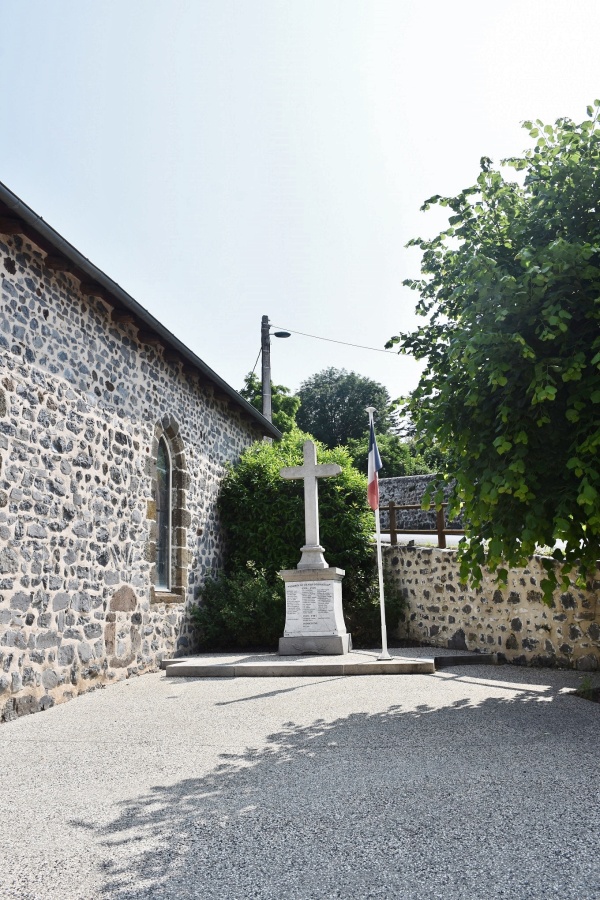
(374, 467)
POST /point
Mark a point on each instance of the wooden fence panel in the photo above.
(440, 524)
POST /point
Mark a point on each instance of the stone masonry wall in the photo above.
(513, 622)
(404, 490)
(81, 404)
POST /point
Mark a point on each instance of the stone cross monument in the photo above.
(312, 552)
(314, 620)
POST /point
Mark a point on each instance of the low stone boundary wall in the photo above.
(404, 490)
(513, 622)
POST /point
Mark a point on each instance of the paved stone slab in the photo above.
(407, 661)
(269, 665)
(190, 669)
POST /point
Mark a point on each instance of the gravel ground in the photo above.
(475, 782)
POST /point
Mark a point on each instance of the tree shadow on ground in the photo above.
(470, 800)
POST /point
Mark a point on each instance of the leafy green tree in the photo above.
(511, 390)
(333, 406)
(284, 404)
(398, 457)
(401, 422)
(263, 519)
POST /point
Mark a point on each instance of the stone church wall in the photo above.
(82, 402)
(513, 622)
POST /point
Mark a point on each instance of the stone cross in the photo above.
(312, 552)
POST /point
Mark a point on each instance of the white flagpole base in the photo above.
(385, 657)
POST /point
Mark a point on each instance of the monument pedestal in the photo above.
(314, 620)
(320, 645)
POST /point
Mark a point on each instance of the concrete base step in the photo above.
(276, 667)
(231, 665)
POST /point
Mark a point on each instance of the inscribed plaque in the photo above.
(310, 608)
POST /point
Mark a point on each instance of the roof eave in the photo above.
(50, 236)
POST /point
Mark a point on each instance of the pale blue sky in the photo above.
(222, 160)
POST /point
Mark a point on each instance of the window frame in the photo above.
(167, 429)
(165, 588)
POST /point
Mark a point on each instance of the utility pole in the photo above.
(265, 347)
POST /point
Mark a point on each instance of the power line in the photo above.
(332, 341)
(257, 358)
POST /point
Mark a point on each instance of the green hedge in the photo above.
(240, 610)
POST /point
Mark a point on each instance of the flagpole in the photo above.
(384, 647)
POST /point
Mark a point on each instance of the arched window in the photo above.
(170, 520)
(164, 478)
